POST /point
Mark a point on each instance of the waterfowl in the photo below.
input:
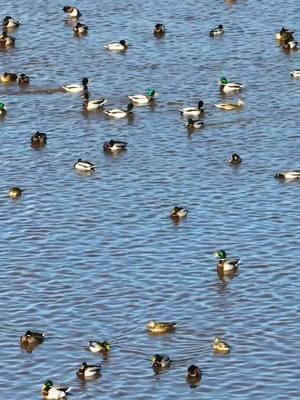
(160, 361)
(142, 99)
(15, 192)
(283, 34)
(72, 12)
(226, 87)
(119, 113)
(23, 79)
(9, 22)
(295, 74)
(230, 106)
(84, 166)
(53, 392)
(91, 104)
(290, 44)
(217, 31)
(161, 327)
(88, 371)
(194, 123)
(178, 212)
(80, 29)
(114, 145)
(32, 338)
(159, 30)
(39, 139)
(8, 77)
(117, 46)
(76, 88)
(235, 159)
(98, 347)
(193, 372)
(6, 40)
(219, 346)
(193, 111)
(3, 110)
(225, 266)
(288, 175)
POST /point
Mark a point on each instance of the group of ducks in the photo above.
(286, 39)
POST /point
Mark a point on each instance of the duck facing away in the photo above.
(72, 12)
(39, 139)
(295, 74)
(141, 99)
(9, 22)
(193, 111)
(225, 266)
(219, 346)
(15, 192)
(122, 45)
(159, 30)
(90, 105)
(88, 371)
(3, 110)
(193, 372)
(217, 31)
(160, 361)
(235, 159)
(6, 41)
(178, 213)
(32, 338)
(229, 87)
(8, 77)
(76, 88)
(23, 79)
(119, 113)
(114, 145)
(51, 392)
(84, 165)
(80, 29)
(289, 175)
(99, 347)
(283, 34)
(161, 327)
(230, 106)
(194, 123)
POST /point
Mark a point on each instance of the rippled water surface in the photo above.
(96, 257)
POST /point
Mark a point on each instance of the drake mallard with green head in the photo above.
(72, 12)
(194, 123)
(217, 31)
(295, 74)
(229, 87)
(76, 88)
(80, 29)
(91, 105)
(114, 146)
(119, 112)
(193, 111)
(99, 347)
(9, 22)
(161, 327)
(84, 165)
(290, 44)
(142, 99)
(51, 392)
(288, 175)
(3, 110)
(226, 266)
(88, 371)
(283, 34)
(178, 213)
(122, 45)
(160, 361)
(220, 346)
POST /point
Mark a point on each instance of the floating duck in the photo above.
(80, 29)
(161, 327)
(32, 338)
(194, 123)
(230, 106)
(193, 111)
(9, 22)
(159, 30)
(72, 12)
(114, 145)
(39, 139)
(235, 159)
(224, 266)
(288, 175)
(193, 372)
(219, 346)
(178, 212)
(53, 392)
(283, 34)
(99, 347)
(117, 46)
(15, 192)
(290, 44)
(8, 77)
(141, 99)
(76, 88)
(88, 371)
(84, 166)
(295, 74)
(226, 87)
(6, 40)
(160, 361)
(91, 104)
(217, 31)
(119, 113)
(3, 110)
(23, 79)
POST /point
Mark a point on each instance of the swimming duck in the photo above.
(178, 212)
(98, 347)
(32, 338)
(295, 74)
(159, 30)
(230, 106)
(288, 175)
(23, 79)
(219, 346)
(235, 159)
(76, 88)
(194, 123)
(226, 87)
(6, 40)
(217, 31)
(193, 372)
(15, 192)
(8, 77)
(80, 29)
(119, 113)
(224, 266)
(161, 327)
(72, 12)
(91, 104)
(114, 145)
(283, 34)
(117, 46)
(9, 22)
(85, 166)
(290, 44)
(88, 371)
(53, 392)
(3, 110)
(39, 139)
(160, 361)
(141, 99)
(193, 111)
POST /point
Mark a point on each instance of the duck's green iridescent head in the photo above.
(150, 92)
(2, 106)
(106, 346)
(224, 81)
(221, 254)
(48, 385)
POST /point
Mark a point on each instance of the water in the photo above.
(96, 257)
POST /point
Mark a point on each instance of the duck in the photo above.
(91, 104)
(160, 361)
(226, 87)
(51, 392)
(178, 213)
(8, 77)
(23, 79)
(194, 123)
(9, 22)
(290, 44)
(193, 372)
(98, 347)
(72, 12)
(235, 159)
(114, 145)
(230, 106)
(159, 30)
(217, 31)
(141, 99)
(32, 338)
(119, 113)
(83, 165)
(225, 266)
(39, 139)
(160, 327)
(283, 34)
(219, 346)
(6, 40)
(15, 192)
(88, 371)
(3, 110)
(193, 111)
(295, 74)
(80, 29)
(76, 88)
(117, 46)
(288, 175)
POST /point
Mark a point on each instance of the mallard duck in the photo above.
(53, 392)
(224, 266)
(283, 34)
(178, 212)
(6, 40)
(91, 104)
(76, 88)
(230, 106)
(142, 99)
(15, 192)
(83, 165)
(235, 159)
(219, 346)
(217, 31)
(3, 110)
(80, 29)
(295, 74)
(290, 44)
(160, 361)
(161, 327)
(72, 12)
(226, 87)
(193, 372)
(288, 175)
(39, 139)
(88, 371)
(194, 123)
(117, 46)
(119, 113)
(9, 22)
(98, 347)
(114, 145)
(159, 30)
(8, 77)
(23, 79)
(32, 338)
(193, 111)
